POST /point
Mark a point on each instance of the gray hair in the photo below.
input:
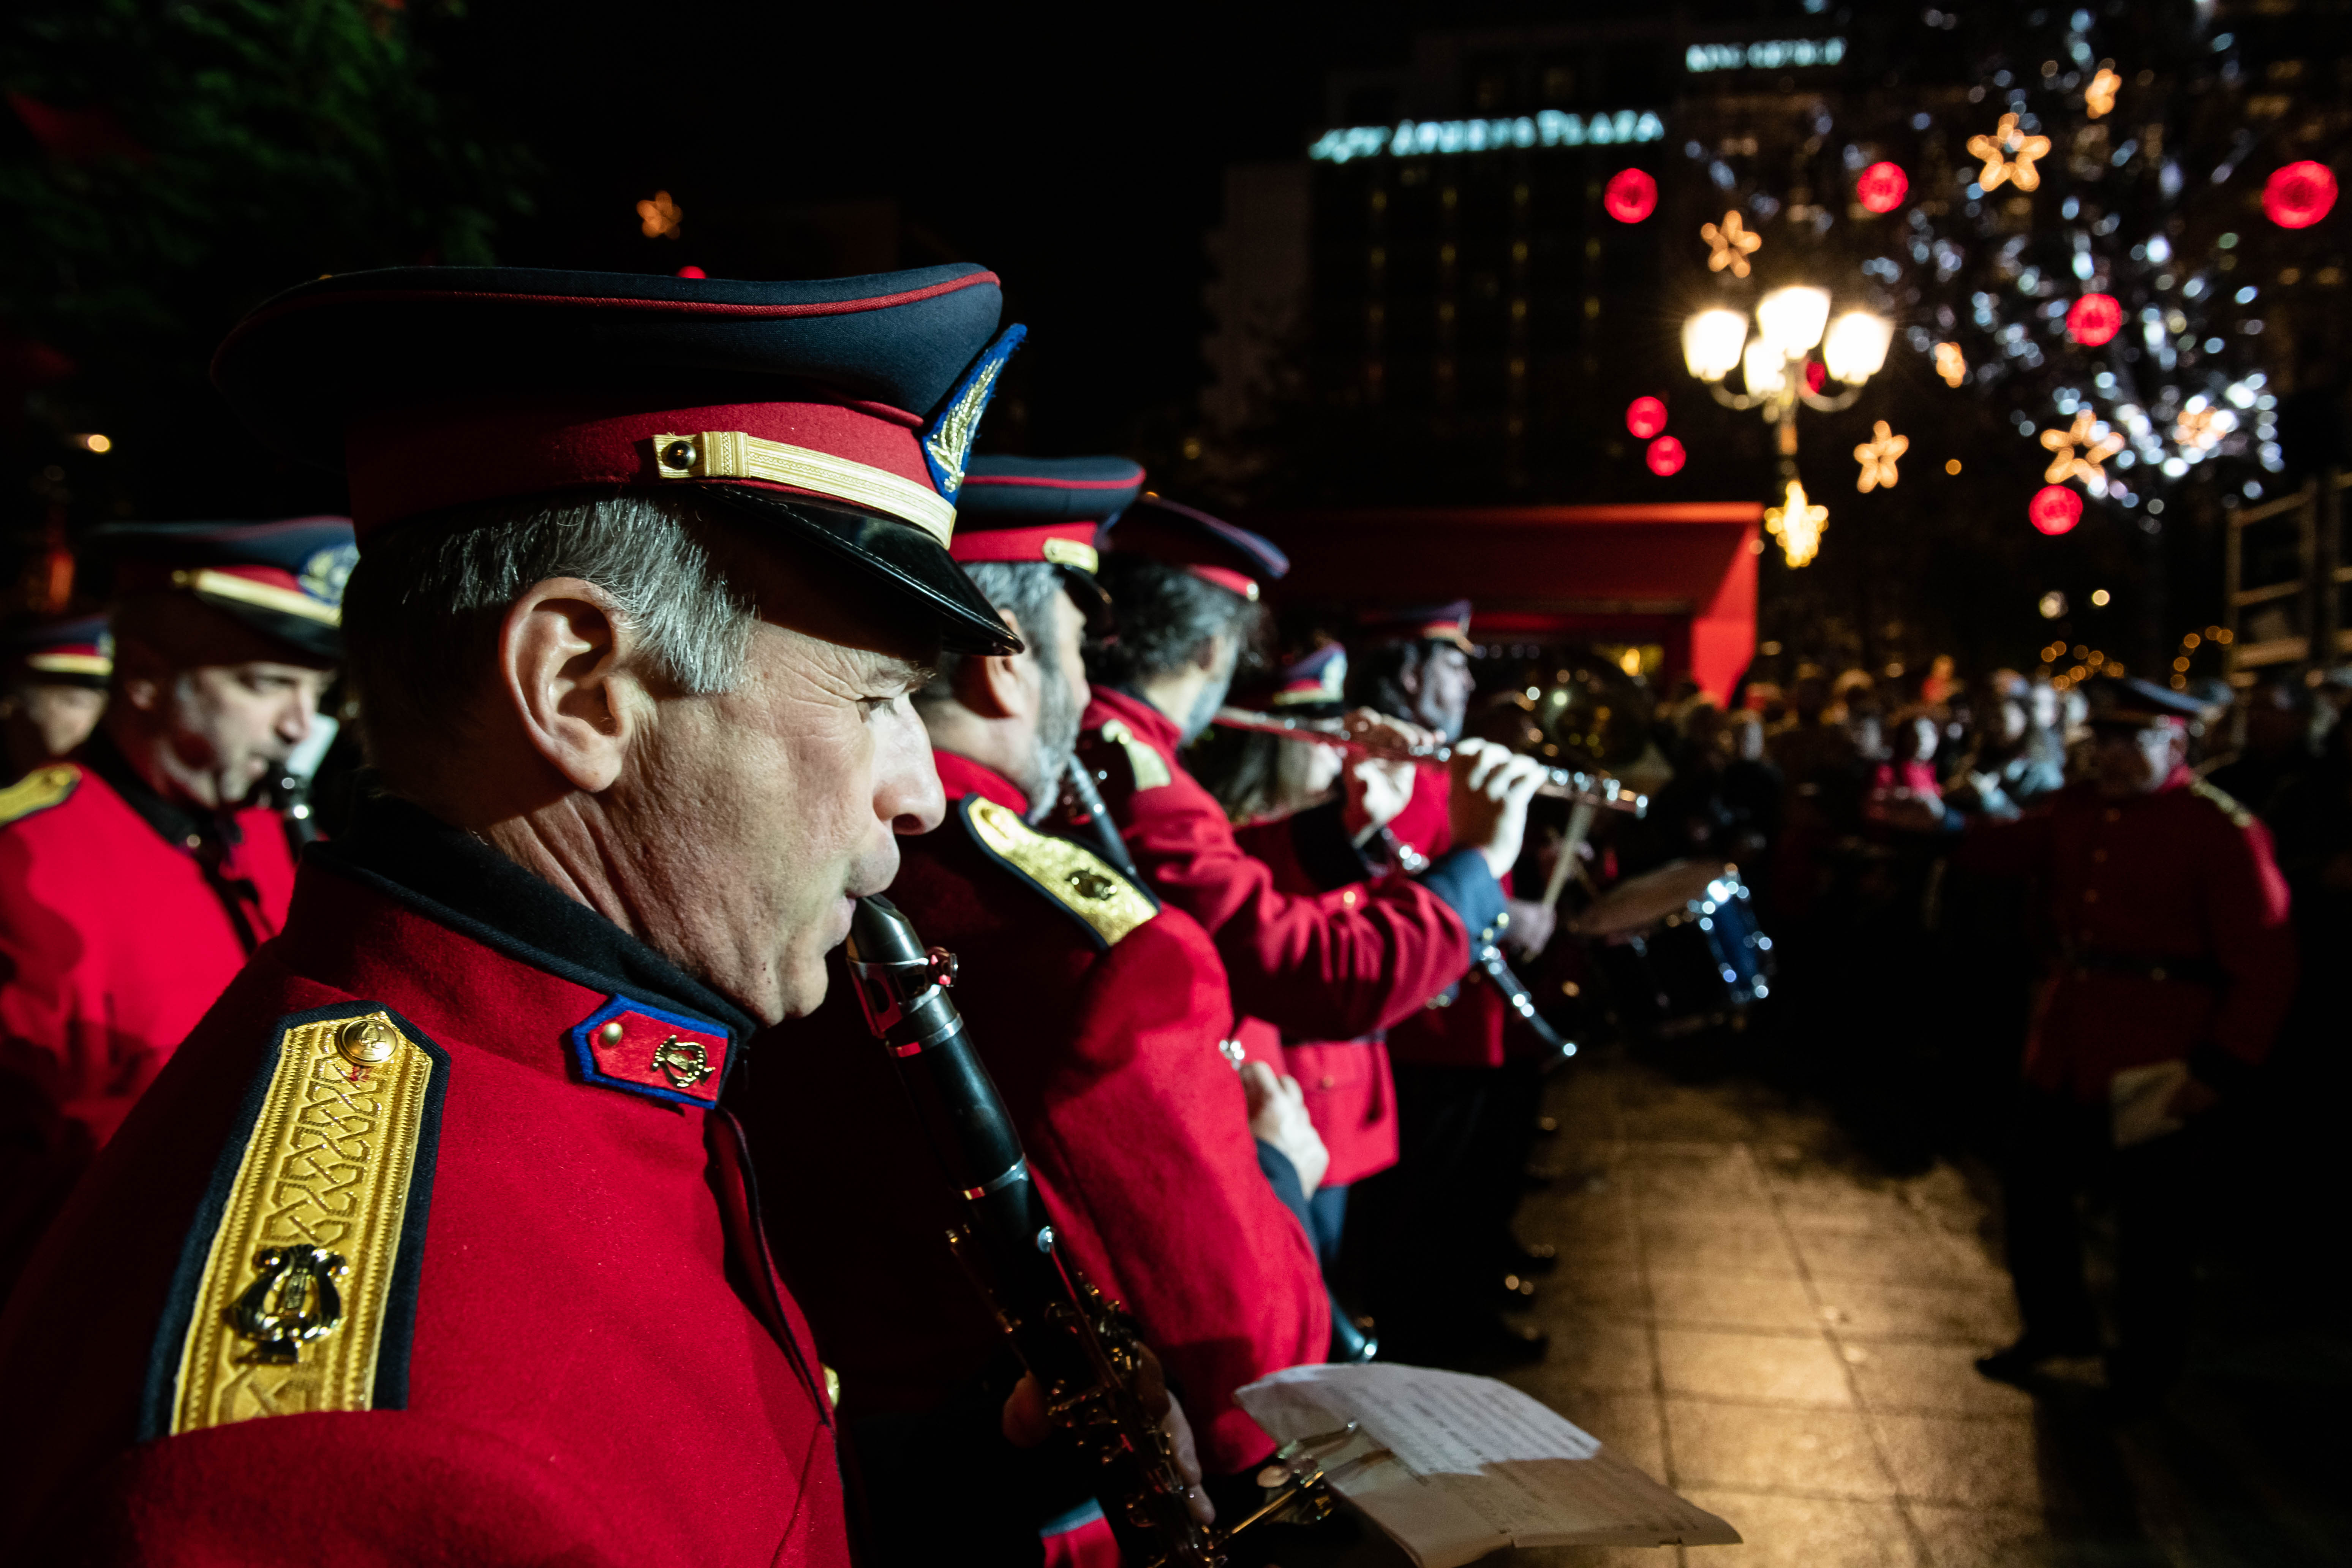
(1165, 614)
(422, 610)
(1026, 589)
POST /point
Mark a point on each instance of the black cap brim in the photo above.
(902, 558)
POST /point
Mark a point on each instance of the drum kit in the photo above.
(1677, 949)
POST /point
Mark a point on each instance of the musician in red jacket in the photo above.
(135, 879)
(1466, 1075)
(1102, 1014)
(2174, 967)
(432, 1242)
(53, 676)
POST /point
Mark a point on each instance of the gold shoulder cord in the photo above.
(1073, 876)
(289, 1311)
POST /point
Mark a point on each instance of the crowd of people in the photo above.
(503, 1118)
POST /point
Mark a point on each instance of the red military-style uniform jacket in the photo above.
(1349, 1092)
(420, 1249)
(1100, 1017)
(1325, 953)
(2169, 917)
(116, 933)
(1463, 1028)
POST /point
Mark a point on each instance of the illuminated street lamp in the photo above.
(1791, 323)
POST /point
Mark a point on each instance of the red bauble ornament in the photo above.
(2093, 319)
(692, 272)
(2299, 194)
(1882, 187)
(2054, 509)
(1817, 375)
(1664, 457)
(1645, 416)
(1631, 195)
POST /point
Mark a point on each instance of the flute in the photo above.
(1560, 784)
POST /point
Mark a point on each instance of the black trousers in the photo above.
(2061, 1149)
(1427, 1229)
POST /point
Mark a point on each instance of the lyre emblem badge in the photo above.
(293, 1302)
(684, 1062)
(1092, 884)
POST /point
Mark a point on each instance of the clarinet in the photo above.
(1075, 1342)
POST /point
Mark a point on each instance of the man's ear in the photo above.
(992, 687)
(564, 668)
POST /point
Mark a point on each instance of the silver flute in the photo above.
(1561, 784)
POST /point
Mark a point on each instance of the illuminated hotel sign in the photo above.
(1769, 55)
(1549, 129)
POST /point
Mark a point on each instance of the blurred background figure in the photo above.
(57, 672)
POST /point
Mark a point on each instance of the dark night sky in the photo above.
(1082, 164)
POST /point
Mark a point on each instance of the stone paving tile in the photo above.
(1782, 1369)
(1598, 1353)
(1933, 1379)
(1701, 1299)
(1724, 1179)
(1750, 1447)
(1899, 1258)
(1970, 1463)
(1600, 1290)
(1714, 1246)
(1781, 1531)
(1986, 1538)
(1980, 1315)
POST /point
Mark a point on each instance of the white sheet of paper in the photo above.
(2140, 1099)
(1474, 1465)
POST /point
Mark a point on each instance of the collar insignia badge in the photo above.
(293, 1302)
(685, 1063)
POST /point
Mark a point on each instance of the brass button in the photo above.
(1327, 1081)
(611, 1033)
(677, 455)
(367, 1042)
(1349, 898)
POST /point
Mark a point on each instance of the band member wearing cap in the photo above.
(56, 670)
(2174, 967)
(432, 1242)
(134, 879)
(1439, 1222)
(1099, 1012)
(1265, 782)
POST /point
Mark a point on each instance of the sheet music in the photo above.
(1471, 1464)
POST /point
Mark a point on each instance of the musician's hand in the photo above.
(1152, 1389)
(1025, 1422)
(1488, 804)
(1375, 792)
(1277, 1115)
(1531, 926)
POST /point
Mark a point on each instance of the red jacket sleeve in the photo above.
(1326, 966)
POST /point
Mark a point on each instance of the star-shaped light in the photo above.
(2202, 425)
(660, 217)
(1732, 245)
(2095, 449)
(1877, 456)
(2099, 96)
(2008, 155)
(1951, 364)
(1797, 523)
